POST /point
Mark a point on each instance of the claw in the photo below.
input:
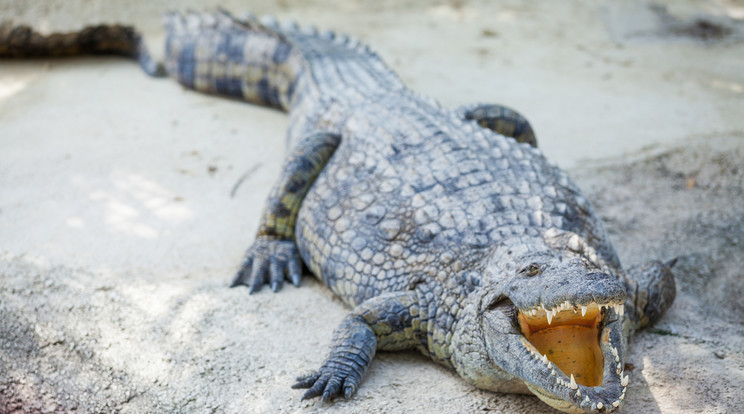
(275, 275)
(256, 283)
(309, 394)
(258, 274)
(295, 271)
(349, 390)
(316, 389)
(236, 280)
(239, 277)
(306, 381)
(331, 389)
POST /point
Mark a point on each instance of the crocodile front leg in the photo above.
(501, 119)
(387, 322)
(273, 255)
(651, 291)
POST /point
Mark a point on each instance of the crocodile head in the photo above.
(553, 324)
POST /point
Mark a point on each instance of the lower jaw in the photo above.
(557, 403)
(574, 349)
(608, 390)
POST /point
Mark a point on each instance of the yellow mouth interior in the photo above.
(570, 340)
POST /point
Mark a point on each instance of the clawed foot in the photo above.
(331, 382)
(342, 372)
(270, 261)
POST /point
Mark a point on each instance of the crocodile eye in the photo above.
(531, 270)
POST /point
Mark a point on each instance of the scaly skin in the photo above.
(443, 229)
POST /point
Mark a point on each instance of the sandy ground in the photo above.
(119, 234)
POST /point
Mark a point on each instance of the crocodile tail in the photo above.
(220, 54)
(21, 41)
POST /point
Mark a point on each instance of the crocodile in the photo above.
(445, 230)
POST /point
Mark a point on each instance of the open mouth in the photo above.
(569, 336)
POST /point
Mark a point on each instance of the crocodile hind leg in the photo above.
(273, 255)
(651, 290)
(501, 119)
(387, 322)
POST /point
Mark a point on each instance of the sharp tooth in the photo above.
(552, 372)
(617, 358)
(578, 393)
(550, 365)
(614, 351)
(624, 381)
(560, 381)
(550, 316)
(622, 309)
(583, 310)
(545, 359)
(616, 403)
(600, 405)
(621, 396)
(586, 398)
(573, 383)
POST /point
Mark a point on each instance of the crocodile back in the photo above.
(414, 195)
